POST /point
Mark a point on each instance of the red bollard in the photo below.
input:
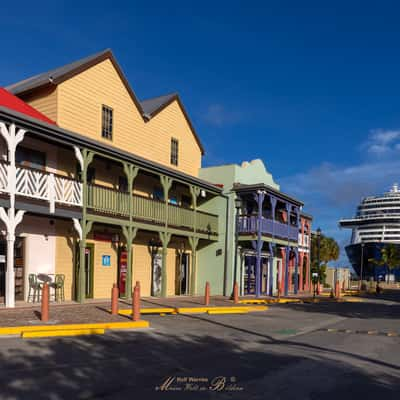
(44, 316)
(337, 289)
(236, 293)
(136, 303)
(114, 299)
(207, 294)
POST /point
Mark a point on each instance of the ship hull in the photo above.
(371, 251)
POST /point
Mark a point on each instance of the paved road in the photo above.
(283, 353)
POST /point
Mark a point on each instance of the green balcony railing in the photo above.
(109, 201)
(113, 202)
(207, 222)
(148, 209)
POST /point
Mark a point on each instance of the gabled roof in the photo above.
(14, 103)
(147, 108)
(57, 75)
(151, 106)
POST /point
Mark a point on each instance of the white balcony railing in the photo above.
(42, 185)
(304, 240)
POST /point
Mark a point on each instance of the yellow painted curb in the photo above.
(257, 308)
(220, 310)
(127, 325)
(192, 310)
(352, 300)
(17, 330)
(149, 311)
(211, 312)
(253, 301)
(62, 332)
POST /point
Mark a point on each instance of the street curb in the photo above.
(198, 310)
(70, 329)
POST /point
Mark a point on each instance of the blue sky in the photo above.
(311, 88)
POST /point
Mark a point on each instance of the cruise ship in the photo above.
(376, 223)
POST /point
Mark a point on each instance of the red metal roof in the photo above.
(14, 103)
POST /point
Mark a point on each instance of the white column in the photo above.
(10, 218)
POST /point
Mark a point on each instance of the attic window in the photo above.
(174, 151)
(106, 122)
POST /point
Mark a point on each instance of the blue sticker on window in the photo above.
(106, 261)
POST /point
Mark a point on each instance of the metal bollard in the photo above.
(136, 303)
(236, 293)
(44, 315)
(207, 294)
(114, 299)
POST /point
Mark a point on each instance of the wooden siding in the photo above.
(142, 268)
(44, 100)
(104, 277)
(76, 105)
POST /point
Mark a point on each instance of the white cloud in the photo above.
(382, 142)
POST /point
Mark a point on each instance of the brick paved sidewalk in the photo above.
(97, 311)
(60, 314)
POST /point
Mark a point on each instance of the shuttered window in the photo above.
(107, 122)
(174, 151)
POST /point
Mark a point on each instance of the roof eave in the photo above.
(73, 138)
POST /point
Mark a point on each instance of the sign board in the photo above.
(315, 274)
(106, 260)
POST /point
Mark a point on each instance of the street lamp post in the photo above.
(362, 265)
(238, 206)
(318, 256)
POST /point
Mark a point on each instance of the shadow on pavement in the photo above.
(132, 364)
(351, 310)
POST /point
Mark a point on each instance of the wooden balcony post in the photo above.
(194, 191)
(83, 228)
(166, 183)
(11, 218)
(85, 157)
(193, 241)
(296, 270)
(259, 197)
(129, 232)
(165, 237)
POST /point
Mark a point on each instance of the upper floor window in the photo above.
(30, 158)
(106, 122)
(174, 151)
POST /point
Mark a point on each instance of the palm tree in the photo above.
(329, 251)
(390, 257)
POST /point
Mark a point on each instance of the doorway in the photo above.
(156, 275)
(182, 274)
(89, 271)
(250, 275)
